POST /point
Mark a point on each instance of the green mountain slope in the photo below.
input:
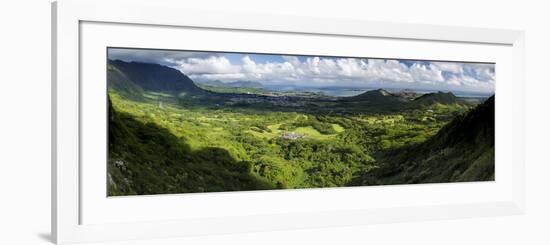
(376, 101)
(378, 96)
(462, 150)
(405, 99)
(156, 78)
(438, 97)
(119, 82)
(407, 94)
(147, 159)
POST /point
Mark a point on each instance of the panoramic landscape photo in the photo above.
(200, 121)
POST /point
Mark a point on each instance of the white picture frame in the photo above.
(68, 18)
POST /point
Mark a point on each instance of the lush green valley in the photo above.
(168, 135)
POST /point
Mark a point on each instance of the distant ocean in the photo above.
(349, 91)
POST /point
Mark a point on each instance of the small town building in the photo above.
(292, 135)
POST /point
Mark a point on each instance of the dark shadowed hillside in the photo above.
(404, 99)
(119, 82)
(378, 100)
(462, 150)
(378, 96)
(156, 78)
(147, 159)
(439, 97)
(407, 94)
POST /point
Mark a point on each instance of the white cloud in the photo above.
(430, 74)
(222, 77)
(210, 65)
(323, 71)
(386, 71)
(448, 66)
(163, 57)
(292, 60)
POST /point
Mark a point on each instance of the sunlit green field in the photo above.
(279, 148)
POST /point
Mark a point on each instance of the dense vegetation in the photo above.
(462, 150)
(167, 135)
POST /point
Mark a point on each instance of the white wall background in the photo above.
(25, 122)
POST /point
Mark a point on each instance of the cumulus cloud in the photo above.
(321, 71)
(163, 57)
(448, 66)
(209, 65)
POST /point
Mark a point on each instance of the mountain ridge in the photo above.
(376, 96)
(155, 77)
(438, 97)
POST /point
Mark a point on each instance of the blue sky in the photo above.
(319, 71)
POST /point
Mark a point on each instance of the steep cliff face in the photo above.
(151, 77)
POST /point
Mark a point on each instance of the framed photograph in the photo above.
(169, 125)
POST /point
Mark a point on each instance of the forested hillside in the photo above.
(147, 159)
(462, 150)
